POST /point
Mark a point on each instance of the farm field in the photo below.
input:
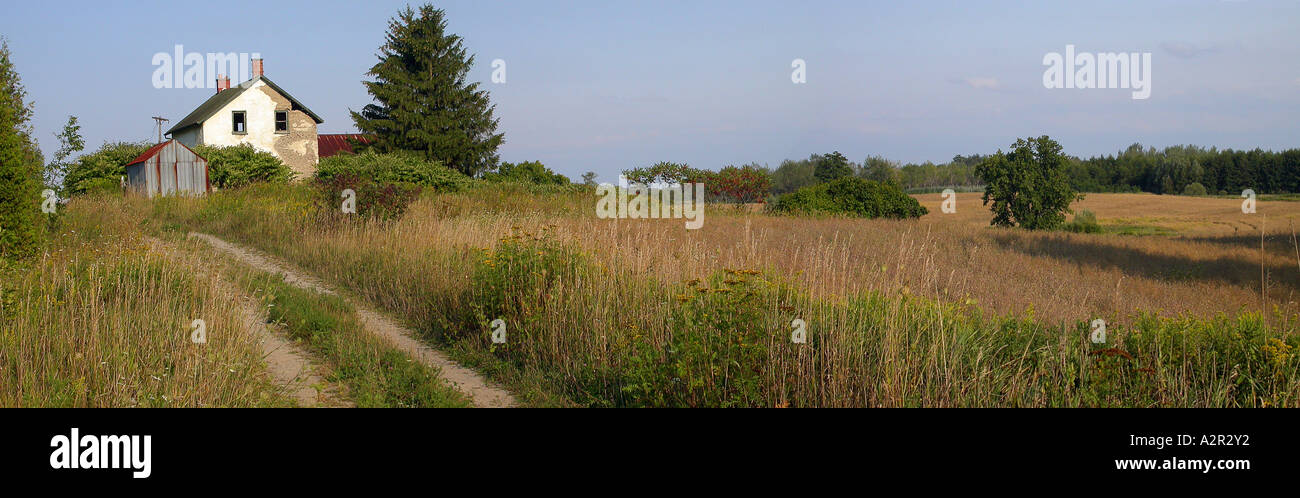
(938, 311)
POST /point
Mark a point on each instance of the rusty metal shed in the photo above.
(168, 168)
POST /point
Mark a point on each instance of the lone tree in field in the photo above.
(21, 220)
(1028, 186)
(422, 99)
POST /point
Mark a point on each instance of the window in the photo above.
(238, 125)
(282, 121)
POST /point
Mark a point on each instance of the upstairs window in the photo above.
(282, 121)
(238, 125)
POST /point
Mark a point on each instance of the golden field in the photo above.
(938, 311)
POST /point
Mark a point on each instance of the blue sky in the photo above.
(609, 85)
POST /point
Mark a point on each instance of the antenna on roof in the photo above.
(160, 121)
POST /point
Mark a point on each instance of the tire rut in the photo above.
(482, 393)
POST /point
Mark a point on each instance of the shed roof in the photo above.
(218, 101)
(154, 151)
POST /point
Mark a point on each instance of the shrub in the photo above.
(851, 196)
(105, 166)
(374, 199)
(663, 172)
(748, 183)
(721, 340)
(526, 172)
(240, 165)
(1194, 188)
(103, 186)
(1085, 221)
(394, 167)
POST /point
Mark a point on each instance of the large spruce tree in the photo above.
(422, 99)
(21, 219)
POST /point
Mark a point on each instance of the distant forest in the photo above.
(1182, 169)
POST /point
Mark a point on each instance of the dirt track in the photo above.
(481, 392)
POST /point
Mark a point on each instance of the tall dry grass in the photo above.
(102, 319)
(899, 313)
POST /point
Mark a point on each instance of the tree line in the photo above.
(1188, 169)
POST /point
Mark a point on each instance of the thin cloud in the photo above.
(1186, 50)
(983, 83)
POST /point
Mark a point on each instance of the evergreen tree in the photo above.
(423, 101)
(21, 223)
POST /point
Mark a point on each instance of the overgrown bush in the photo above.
(662, 172)
(393, 168)
(1194, 188)
(240, 165)
(526, 172)
(373, 199)
(105, 166)
(851, 196)
(748, 183)
(720, 346)
(1084, 221)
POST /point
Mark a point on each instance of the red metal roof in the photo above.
(148, 153)
(154, 150)
(331, 144)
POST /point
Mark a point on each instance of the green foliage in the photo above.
(793, 175)
(831, 167)
(959, 175)
(374, 199)
(722, 332)
(748, 183)
(377, 375)
(21, 220)
(851, 196)
(1194, 188)
(523, 264)
(107, 164)
(661, 173)
(526, 172)
(1028, 186)
(1084, 221)
(589, 178)
(1172, 169)
(396, 167)
(423, 100)
(1167, 186)
(741, 184)
(881, 170)
(70, 142)
(241, 165)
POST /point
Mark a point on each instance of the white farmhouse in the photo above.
(256, 112)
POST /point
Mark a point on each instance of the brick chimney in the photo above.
(257, 67)
(223, 83)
